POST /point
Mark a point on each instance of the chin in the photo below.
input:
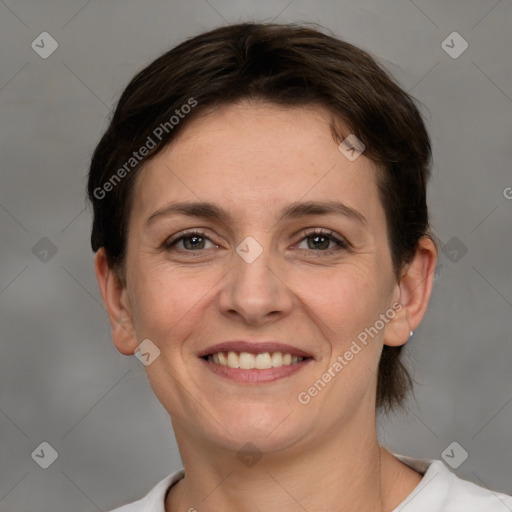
(268, 428)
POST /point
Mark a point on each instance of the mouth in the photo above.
(249, 361)
(254, 362)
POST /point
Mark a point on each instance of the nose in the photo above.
(256, 291)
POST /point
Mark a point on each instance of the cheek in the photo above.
(346, 299)
(348, 303)
(344, 303)
(168, 300)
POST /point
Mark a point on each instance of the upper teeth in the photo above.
(248, 361)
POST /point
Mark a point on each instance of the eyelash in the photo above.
(341, 243)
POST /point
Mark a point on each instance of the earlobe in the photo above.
(414, 289)
(115, 298)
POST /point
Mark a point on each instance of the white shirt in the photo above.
(440, 490)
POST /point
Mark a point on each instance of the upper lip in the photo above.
(254, 347)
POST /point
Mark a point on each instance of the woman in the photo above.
(262, 245)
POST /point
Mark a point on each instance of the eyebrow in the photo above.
(206, 210)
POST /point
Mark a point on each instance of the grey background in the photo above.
(62, 380)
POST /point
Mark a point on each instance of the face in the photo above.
(267, 263)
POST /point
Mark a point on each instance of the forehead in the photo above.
(255, 158)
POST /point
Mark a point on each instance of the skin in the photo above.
(253, 159)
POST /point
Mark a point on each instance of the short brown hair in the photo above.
(289, 65)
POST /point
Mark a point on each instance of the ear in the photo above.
(412, 293)
(115, 297)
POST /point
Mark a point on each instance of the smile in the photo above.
(254, 361)
(248, 361)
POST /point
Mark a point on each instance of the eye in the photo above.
(324, 241)
(191, 241)
(317, 240)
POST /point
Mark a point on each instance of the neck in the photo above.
(346, 471)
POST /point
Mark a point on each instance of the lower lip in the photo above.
(255, 376)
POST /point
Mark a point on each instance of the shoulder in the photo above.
(441, 490)
(154, 500)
